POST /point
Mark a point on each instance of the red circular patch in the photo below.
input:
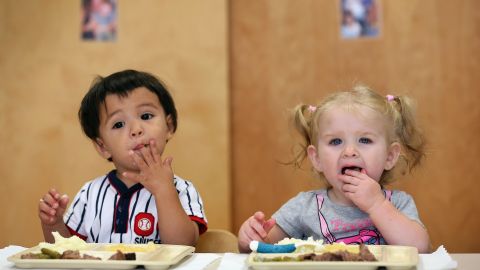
(144, 224)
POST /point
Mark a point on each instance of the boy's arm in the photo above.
(50, 211)
(61, 228)
(156, 175)
(398, 229)
(174, 224)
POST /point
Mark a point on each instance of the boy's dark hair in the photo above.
(120, 83)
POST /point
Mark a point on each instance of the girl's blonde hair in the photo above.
(397, 110)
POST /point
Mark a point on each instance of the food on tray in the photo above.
(331, 252)
(363, 254)
(303, 246)
(289, 245)
(69, 248)
(75, 255)
(61, 243)
(336, 247)
(120, 256)
(96, 257)
(52, 254)
(131, 247)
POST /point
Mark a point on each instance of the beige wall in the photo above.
(282, 52)
(45, 69)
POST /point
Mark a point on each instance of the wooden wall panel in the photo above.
(45, 69)
(288, 51)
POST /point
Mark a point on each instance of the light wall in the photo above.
(248, 61)
(45, 69)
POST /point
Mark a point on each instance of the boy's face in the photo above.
(353, 138)
(130, 123)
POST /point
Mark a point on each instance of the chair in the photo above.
(217, 241)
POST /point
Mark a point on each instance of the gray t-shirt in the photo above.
(312, 213)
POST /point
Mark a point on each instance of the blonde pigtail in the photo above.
(302, 119)
(408, 133)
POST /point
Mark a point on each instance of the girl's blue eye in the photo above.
(365, 140)
(146, 116)
(118, 125)
(335, 141)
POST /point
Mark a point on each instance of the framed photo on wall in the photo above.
(359, 19)
(99, 20)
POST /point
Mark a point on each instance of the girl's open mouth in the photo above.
(353, 168)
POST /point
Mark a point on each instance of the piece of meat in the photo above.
(34, 256)
(71, 255)
(119, 256)
(342, 255)
(90, 257)
(123, 256)
(130, 256)
(366, 255)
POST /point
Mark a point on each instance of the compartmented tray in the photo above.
(391, 257)
(161, 257)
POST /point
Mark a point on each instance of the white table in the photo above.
(230, 261)
(467, 261)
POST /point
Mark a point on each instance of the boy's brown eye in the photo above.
(146, 116)
(118, 125)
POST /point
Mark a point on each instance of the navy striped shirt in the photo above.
(106, 211)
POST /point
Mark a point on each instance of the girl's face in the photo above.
(130, 123)
(353, 138)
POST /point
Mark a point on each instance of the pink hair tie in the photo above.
(390, 97)
(312, 109)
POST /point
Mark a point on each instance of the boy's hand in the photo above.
(254, 228)
(154, 173)
(362, 190)
(52, 207)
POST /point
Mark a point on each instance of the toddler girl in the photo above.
(354, 140)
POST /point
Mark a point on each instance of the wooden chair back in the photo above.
(217, 241)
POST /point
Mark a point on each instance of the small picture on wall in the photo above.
(99, 20)
(359, 19)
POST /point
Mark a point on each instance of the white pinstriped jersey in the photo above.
(106, 211)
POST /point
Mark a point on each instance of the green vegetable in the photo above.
(51, 253)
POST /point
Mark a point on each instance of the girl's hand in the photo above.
(254, 228)
(362, 190)
(154, 173)
(51, 207)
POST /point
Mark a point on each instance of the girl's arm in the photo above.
(259, 229)
(275, 235)
(398, 229)
(395, 227)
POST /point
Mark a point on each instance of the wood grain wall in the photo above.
(284, 52)
(45, 69)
